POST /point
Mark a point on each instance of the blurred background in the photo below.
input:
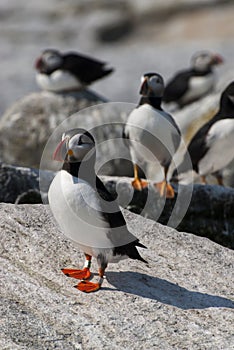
(134, 36)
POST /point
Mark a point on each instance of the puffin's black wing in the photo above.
(114, 216)
(86, 69)
(116, 219)
(197, 147)
(177, 86)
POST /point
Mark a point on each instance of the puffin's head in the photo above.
(152, 84)
(77, 145)
(204, 60)
(49, 61)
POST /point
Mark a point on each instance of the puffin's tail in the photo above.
(106, 71)
(131, 251)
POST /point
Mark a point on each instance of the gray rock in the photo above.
(18, 183)
(26, 126)
(40, 119)
(183, 300)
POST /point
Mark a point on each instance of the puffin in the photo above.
(211, 148)
(87, 212)
(152, 133)
(57, 71)
(191, 84)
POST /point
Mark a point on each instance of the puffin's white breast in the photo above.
(76, 207)
(220, 140)
(199, 86)
(59, 80)
(144, 120)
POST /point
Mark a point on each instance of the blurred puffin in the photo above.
(86, 212)
(152, 133)
(212, 147)
(191, 84)
(58, 71)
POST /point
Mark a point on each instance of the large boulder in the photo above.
(181, 300)
(27, 126)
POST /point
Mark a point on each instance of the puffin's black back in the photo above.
(177, 86)
(85, 68)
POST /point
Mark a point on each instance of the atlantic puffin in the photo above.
(191, 84)
(86, 212)
(212, 147)
(57, 71)
(148, 125)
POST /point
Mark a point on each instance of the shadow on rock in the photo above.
(164, 291)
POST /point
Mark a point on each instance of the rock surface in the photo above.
(181, 301)
(27, 125)
(42, 117)
(18, 183)
(203, 210)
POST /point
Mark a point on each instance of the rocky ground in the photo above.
(181, 300)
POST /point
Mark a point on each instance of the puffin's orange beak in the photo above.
(217, 59)
(61, 151)
(144, 87)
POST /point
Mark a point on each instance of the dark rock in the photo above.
(203, 210)
(114, 31)
(19, 185)
(209, 212)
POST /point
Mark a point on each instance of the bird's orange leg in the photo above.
(164, 188)
(88, 287)
(80, 274)
(203, 180)
(137, 183)
(219, 179)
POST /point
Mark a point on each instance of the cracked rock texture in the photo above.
(183, 300)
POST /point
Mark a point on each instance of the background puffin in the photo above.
(58, 71)
(86, 212)
(212, 147)
(191, 84)
(154, 129)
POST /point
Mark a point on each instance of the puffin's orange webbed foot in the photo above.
(139, 184)
(88, 287)
(79, 274)
(165, 189)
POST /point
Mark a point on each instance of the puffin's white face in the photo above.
(74, 147)
(79, 147)
(52, 59)
(202, 61)
(49, 61)
(152, 84)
